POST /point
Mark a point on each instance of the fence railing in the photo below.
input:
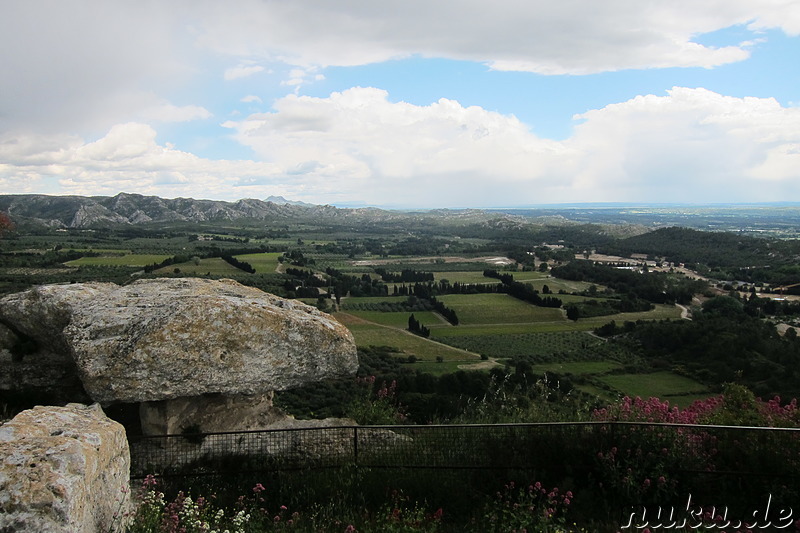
(600, 447)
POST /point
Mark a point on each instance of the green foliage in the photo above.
(730, 255)
(376, 403)
(654, 287)
(531, 508)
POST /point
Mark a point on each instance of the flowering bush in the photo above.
(185, 514)
(531, 508)
(376, 406)
(645, 463)
(736, 406)
(527, 509)
(401, 516)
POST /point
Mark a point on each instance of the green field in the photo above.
(263, 263)
(373, 299)
(134, 260)
(372, 334)
(400, 320)
(215, 266)
(470, 277)
(511, 329)
(530, 275)
(664, 385)
(566, 344)
(554, 284)
(578, 367)
(661, 312)
(497, 309)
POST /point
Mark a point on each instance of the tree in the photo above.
(573, 313)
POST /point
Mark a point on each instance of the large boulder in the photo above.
(162, 339)
(64, 470)
(215, 412)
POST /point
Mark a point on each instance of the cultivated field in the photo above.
(133, 260)
(262, 263)
(214, 266)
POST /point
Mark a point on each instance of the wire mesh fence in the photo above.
(613, 464)
(771, 452)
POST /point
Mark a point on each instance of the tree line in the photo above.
(522, 291)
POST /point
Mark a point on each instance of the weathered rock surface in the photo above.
(27, 369)
(63, 470)
(170, 338)
(209, 413)
(41, 314)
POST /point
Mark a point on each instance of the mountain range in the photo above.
(126, 208)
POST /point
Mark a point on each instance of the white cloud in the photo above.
(302, 76)
(537, 36)
(242, 71)
(86, 65)
(690, 145)
(166, 112)
(79, 65)
(127, 159)
(251, 98)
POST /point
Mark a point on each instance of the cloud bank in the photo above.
(690, 145)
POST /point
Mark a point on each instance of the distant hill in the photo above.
(125, 208)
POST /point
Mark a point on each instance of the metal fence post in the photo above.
(355, 446)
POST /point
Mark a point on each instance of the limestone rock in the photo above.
(30, 371)
(63, 470)
(43, 312)
(7, 339)
(209, 414)
(170, 338)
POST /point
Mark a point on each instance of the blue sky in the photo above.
(403, 104)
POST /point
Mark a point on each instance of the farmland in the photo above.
(336, 267)
(130, 259)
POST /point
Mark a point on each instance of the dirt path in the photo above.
(483, 365)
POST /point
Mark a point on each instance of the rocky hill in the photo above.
(124, 208)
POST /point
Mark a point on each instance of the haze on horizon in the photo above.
(404, 104)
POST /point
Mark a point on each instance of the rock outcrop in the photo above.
(171, 338)
(215, 412)
(193, 352)
(63, 470)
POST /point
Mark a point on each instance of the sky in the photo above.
(403, 104)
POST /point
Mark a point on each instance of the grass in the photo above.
(215, 266)
(472, 278)
(400, 320)
(372, 334)
(497, 309)
(263, 263)
(578, 367)
(540, 344)
(511, 329)
(661, 311)
(664, 385)
(373, 299)
(135, 260)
